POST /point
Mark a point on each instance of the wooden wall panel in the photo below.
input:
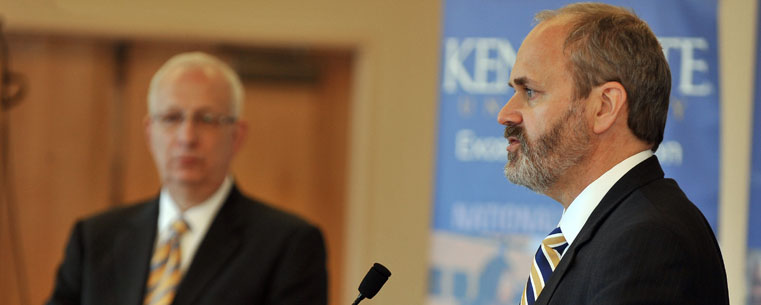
(295, 154)
(9, 283)
(59, 147)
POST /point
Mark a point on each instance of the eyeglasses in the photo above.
(172, 120)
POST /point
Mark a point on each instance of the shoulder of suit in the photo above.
(121, 214)
(661, 203)
(256, 210)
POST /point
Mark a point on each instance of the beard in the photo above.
(538, 166)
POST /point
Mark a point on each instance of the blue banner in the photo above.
(754, 209)
(486, 229)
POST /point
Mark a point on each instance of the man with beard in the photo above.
(591, 98)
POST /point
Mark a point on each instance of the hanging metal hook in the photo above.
(13, 85)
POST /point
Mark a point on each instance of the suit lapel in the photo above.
(644, 173)
(218, 246)
(133, 247)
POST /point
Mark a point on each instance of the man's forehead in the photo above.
(189, 77)
(548, 35)
(541, 49)
(194, 86)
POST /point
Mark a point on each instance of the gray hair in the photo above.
(198, 59)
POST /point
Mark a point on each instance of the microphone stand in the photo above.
(359, 298)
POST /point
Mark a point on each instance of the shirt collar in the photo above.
(577, 213)
(197, 217)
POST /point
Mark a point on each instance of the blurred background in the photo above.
(342, 106)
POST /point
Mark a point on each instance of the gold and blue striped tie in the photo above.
(165, 273)
(546, 259)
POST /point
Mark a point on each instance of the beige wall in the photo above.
(737, 39)
(394, 106)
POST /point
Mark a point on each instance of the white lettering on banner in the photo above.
(670, 153)
(469, 147)
(492, 60)
(481, 65)
(497, 217)
(689, 64)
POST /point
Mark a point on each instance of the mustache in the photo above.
(514, 131)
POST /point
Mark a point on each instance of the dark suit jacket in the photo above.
(251, 254)
(645, 243)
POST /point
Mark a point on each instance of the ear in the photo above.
(610, 102)
(240, 133)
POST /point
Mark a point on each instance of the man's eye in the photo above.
(207, 118)
(529, 93)
(172, 118)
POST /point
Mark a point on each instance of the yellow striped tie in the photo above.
(545, 261)
(165, 268)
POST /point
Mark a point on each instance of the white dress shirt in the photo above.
(198, 219)
(577, 213)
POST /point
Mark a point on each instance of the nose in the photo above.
(187, 132)
(509, 115)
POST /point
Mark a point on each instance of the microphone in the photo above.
(372, 282)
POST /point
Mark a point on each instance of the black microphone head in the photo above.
(374, 280)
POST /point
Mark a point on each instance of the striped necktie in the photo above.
(165, 268)
(546, 259)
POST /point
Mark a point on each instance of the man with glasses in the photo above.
(201, 241)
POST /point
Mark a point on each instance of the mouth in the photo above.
(512, 144)
(185, 161)
(514, 136)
